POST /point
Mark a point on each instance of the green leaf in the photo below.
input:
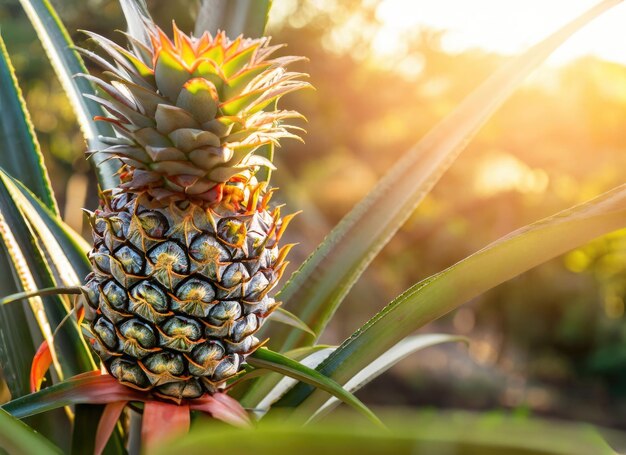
(316, 290)
(31, 271)
(86, 420)
(17, 342)
(50, 227)
(435, 296)
(67, 63)
(286, 317)
(235, 17)
(20, 155)
(39, 293)
(89, 388)
(264, 391)
(264, 358)
(17, 345)
(269, 389)
(408, 434)
(18, 438)
(136, 13)
(383, 363)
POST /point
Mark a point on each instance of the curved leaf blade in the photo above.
(16, 437)
(32, 271)
(17, 347)
(50, 226)
(92, 388)
(383, 363)
(264, 358)
(258, 390)
(317, 288)
(269, 389)
(39, 293)
(435, 296)
(67, 64)
(287, 317)
(136, 12)
(20, 154)
(235, 17)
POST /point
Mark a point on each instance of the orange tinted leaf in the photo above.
(40, 366)
(110, 416)
(222, 407)
(163, 421)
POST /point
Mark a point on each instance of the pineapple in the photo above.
(186, 249)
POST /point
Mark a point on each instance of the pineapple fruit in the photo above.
(186, 249)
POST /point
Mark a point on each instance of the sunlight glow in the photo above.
(505, 27)
(503, 172)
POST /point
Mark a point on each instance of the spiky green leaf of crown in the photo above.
(191, 112)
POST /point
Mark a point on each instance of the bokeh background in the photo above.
(551, 342)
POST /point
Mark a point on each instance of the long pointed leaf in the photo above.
(106, 418)
(67, 64)
(136, 12)
(286, 317)
(435, 296)
(39, 293)
(263, 386)
(17, 346)
(91, 388)
(316, 290)
(18, 438)
(383, 363)
(31, 270)
(271, 388)
(13, 231)
(86, 427)
(235, 17)
(74, 247)
(20, 155)
(264, 358)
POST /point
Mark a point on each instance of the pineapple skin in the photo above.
(178, 291)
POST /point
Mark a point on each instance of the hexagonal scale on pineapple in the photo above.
(244, 327)
(195, 297)
(226, 368)
(105, 330)
(225, 310)
(210, 254)
(205, 357)
(91, 290)
(232, 281)
(243, 347)
(149, 301)
(165, 362)
(180, 333)
(115, 295)
(131, 260)
(256, 287)
(181, 389)
(165, 261)
(130, 373)
(139, 338)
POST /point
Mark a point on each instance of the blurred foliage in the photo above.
(409, 432)
(552, 341)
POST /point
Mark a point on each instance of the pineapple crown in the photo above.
(190, 113)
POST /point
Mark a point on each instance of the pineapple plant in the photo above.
(186, 248)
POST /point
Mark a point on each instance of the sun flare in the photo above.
(503, 27)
